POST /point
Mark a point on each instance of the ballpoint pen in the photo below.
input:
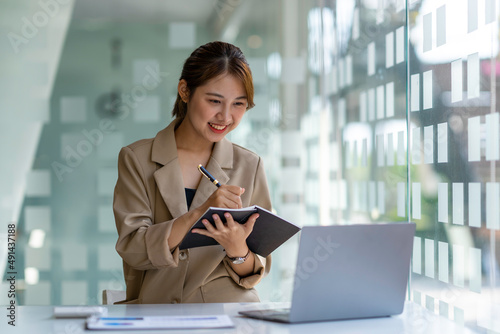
(208, 175)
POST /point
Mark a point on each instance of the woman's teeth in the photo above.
(218, 127)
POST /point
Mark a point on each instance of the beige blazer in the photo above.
(149, 195)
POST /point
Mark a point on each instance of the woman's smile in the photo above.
(217, 128)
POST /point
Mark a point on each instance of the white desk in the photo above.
(415, 319)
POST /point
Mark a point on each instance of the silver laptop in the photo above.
(348, 272)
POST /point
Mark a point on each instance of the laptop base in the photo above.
(277, 315)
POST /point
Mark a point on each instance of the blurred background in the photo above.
(366, 111)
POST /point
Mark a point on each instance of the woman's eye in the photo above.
(239, 104)
(215, 101)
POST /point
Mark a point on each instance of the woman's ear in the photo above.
(183, 90)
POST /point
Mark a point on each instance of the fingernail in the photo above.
(257, 217)
(216, 217)
(227, 215)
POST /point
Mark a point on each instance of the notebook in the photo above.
(348, 272)
(269, 231)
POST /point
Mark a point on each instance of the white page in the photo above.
(160, 322)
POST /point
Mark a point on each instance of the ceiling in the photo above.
(199, 11)
(223, 17)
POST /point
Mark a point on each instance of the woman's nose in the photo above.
(225, 114)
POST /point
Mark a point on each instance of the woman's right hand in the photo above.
(226, 196)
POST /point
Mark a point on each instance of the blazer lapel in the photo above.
(168, 178)
(171, 186)
(220, 161)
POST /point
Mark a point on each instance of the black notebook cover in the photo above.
(269, 231)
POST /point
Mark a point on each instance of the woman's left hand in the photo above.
(230, 235)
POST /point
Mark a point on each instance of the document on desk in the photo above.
(160, 322)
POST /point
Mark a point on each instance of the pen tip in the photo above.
(199, 166)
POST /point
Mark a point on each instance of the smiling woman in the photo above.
(216, 108)
(208, 62)
(160, 194)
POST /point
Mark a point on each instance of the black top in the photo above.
(189, 196)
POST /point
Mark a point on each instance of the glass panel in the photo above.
(369, 113)
(453, 48)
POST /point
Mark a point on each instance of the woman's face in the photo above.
(216, 108)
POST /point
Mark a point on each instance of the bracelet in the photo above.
(239, 260)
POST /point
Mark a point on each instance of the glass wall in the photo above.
(453, 157)
(366, 111)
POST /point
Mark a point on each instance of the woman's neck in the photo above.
(187, 140)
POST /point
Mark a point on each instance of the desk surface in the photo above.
(415, 319)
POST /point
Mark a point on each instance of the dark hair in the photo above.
(208, 62)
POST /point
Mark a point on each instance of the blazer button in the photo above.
(182, 256)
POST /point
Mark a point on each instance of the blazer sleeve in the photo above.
(262, 265)
(141, 244)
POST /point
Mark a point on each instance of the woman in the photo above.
(160, 193)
